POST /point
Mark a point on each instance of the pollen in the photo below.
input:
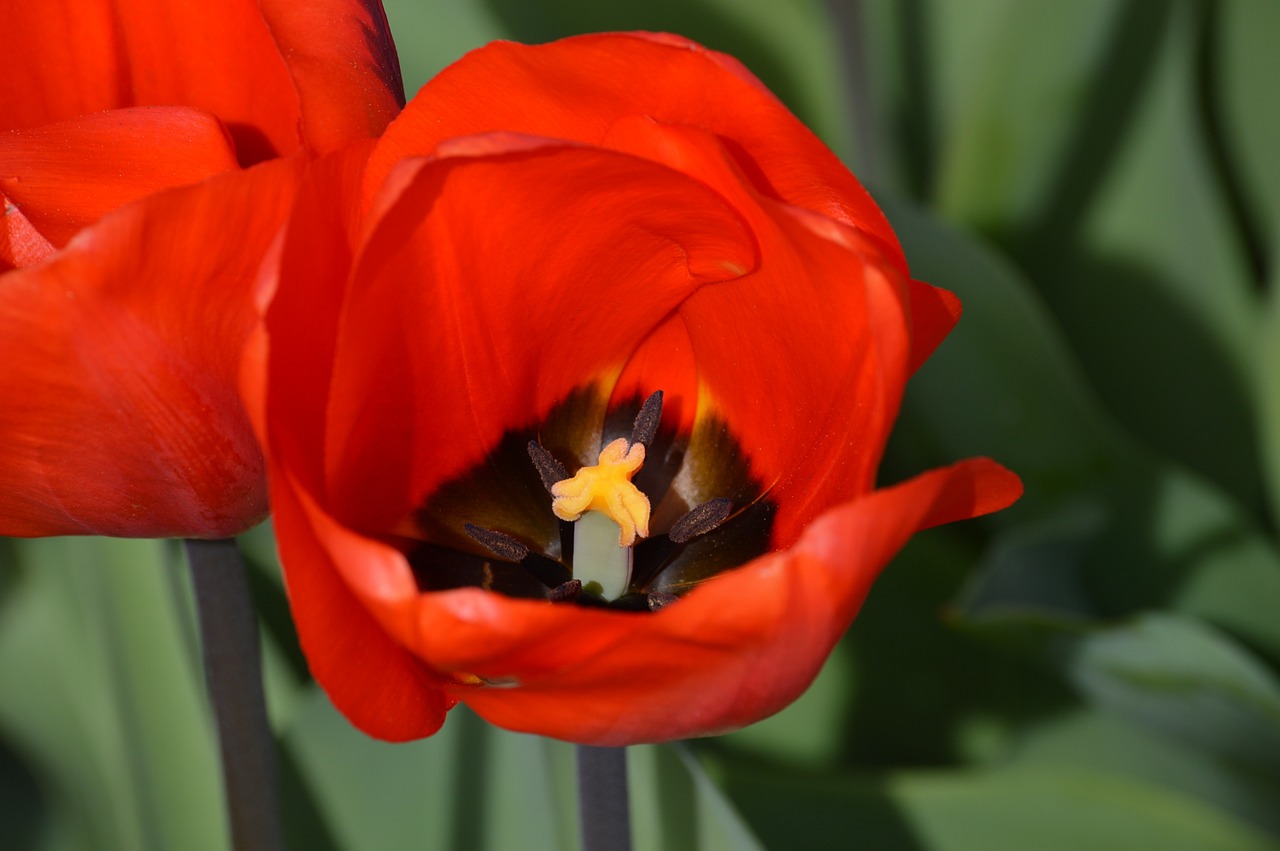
(606, 487)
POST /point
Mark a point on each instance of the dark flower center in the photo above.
(562, 511)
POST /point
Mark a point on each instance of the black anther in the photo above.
(646, 424)
(503, 546)
(549, 468)
(700, 520)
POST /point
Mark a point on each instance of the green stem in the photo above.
(233, 675)
(602, 799)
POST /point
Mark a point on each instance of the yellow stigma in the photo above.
(606, 487)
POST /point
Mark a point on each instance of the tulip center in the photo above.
(604, 506)
(656, 514)
(605, 489)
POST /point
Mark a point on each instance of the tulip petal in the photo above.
(531, 273)
(121, 353)
(730, 653)
(577, 88)
(297, 326)
(343, 64)
(219, 57)
(20, 243)
(934, 312)
(804, 357)
(371, 679)
(273, 72)
(378, 685)
(55, 174)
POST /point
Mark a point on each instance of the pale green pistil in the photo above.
(609, 513)
(603, 567)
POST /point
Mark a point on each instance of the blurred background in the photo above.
(1094, 668)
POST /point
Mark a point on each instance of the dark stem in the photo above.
(233, 675)
(602, 799)
(850, 25)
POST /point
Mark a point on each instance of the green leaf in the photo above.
(1133, 533)
(1019, 88)
(675, 804)
(1075, 135)
(468, 787)
(104, 694)
(1247, 66)
(1156, 294)
(984, 810)
(1099, 741)
(474, 786)
(1269, 396)
(1179, 677)
(1172, 702)
(1003, 383)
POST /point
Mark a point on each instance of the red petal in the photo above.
(373, 681)
(579, 87)
(736, 650)
(122, 415)
(343, 64)
(934, 312)
(493, 285)
(20, 243)
(64, 59)
(298, 323)
(806, 356)
(67, 175)
(274, 73)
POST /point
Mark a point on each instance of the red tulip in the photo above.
(544, 237)
(127, 299)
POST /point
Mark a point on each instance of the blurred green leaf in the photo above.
(473, 786)
(1019, 84)
(1179, 677)
(23, 811)
(1269, 396)
(105, 694)
(1003, 383)
(675, 804)
(1247, 65)
(1174, 703)
(1075, 135)
(435, 793)
(1099, 741)
(1156, 294)
(1131, 533)
(984, 810)
(925, 693)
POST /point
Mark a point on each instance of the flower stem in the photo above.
(602, 799)
(233, 675)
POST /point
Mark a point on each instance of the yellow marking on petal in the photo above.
(606, 487)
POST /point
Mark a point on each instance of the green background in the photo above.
(1094, 668)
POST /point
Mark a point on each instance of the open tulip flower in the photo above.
(573, 389)
(127, 299)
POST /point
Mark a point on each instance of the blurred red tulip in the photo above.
(544, 237)
(127, 300)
